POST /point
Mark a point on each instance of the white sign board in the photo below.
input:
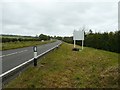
(78, 35)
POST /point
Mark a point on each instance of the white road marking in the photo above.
(1, 75)
(13, 53)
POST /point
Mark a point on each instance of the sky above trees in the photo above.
(58, 18)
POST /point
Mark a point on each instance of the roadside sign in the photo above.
(78, 35)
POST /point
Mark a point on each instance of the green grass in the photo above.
(14, 45)
(64, 68)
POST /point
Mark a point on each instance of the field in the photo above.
(64, 68)
(14, 45)
(15, 36)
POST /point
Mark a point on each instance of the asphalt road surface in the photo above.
(15, 57)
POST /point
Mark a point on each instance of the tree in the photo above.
(90, 31)
(43, 37)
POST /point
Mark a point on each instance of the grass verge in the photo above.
(64, 68)
(14, 45)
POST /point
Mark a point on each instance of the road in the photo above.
(15, 57)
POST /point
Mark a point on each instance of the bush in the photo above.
(104, 41)
(4, 40)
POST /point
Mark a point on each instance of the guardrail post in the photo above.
(35, 55)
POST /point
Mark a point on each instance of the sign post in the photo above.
(74, 43)
(78, 35)
(35, 55)
(82, 44)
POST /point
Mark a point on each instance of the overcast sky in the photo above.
(58, 18)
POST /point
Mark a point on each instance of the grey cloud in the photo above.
(58, 18)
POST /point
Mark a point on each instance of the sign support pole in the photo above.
(82, 44)
(74, 43)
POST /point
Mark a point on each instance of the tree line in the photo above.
(5, 39)
(106, 41)
(14, 38)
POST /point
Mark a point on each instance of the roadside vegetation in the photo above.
(64, 68)
(17, 41)
(14, 45)
(18, 38)
(108, 41)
